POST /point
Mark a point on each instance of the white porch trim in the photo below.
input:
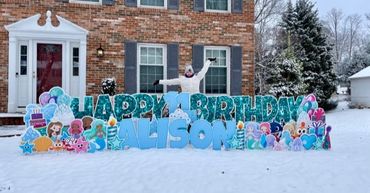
(65, 33)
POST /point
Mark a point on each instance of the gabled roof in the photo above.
(30, 24)
(362, 74)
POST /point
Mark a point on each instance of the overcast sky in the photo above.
(347, 6)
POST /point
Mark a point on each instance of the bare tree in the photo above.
(337, 32)
(367, 16)
(266, 9)
(354, 26)
(267, 14)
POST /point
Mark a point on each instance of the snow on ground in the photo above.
(344, 169)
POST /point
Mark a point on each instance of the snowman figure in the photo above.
(190, 81)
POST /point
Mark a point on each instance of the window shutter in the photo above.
(198, 5)
(108, 2)
(130, 67)
(198, 61)
(236, 70)
(173, 4)
(172, 64)
(237, 6)
(131, 3)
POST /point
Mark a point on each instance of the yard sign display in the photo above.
(60, 123)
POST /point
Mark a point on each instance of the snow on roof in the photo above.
(362, 74)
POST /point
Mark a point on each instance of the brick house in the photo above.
(143, 40)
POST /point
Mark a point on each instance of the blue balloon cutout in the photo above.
(56, 91)
(64, 100)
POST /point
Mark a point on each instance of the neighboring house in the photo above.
(360, 84)
(143, 40)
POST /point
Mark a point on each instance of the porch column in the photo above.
(12, 85)
(67, 67)
(82, 69)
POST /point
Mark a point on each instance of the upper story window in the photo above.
(98, 2)
(218, 76)
(218, 5)
(152, 65)
(152, 3)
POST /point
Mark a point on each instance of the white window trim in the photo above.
(228, 61)
(87, 2)
(218, 11)
(152, 6)
(75, 45)
(18, 69)
(164, 47)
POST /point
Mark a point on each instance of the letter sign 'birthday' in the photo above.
(61, 123)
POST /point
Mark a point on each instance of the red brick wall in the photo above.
(112, 25)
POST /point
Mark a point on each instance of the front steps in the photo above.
(11, 119)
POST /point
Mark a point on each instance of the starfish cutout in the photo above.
(233, 142)
(116, 143)
(81, 145)
(27, 148)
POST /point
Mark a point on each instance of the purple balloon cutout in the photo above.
(44, 98)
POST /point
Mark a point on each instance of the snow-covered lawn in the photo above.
(345, 168)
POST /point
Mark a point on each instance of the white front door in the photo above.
(38, 72)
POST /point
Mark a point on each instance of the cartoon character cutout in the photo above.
(86, 121)
(253, 135)
(303, 123)
(265, 128)
(81, 145)
(54, 130)
(75, 130)
(250, 128)
(97, 133)
(276, 130)
(57, 146)
(290, 127)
